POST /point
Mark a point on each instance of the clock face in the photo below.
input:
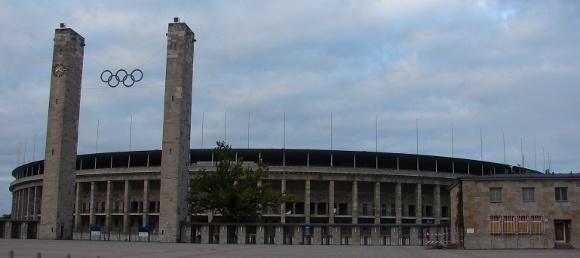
(58, 70)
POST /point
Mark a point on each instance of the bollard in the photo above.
(67, 256)
(10, 254)
(38, 255)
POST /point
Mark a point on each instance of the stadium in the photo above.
(401, 194)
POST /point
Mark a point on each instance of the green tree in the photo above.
(233, 190)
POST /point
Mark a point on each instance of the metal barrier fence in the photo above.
(442, 237)
(116, 236)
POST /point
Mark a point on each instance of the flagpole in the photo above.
(522, 151)
(18, 157)
(376, 134)
(248, 129)
(24, 156)
(544, 157)
(481, 144)
(284, 142)
(331, 156)
(452, 150)
(226, 127)
(417, 134)
(34, 148)
(97, 139)
(130, 132)
(535, 158)
(202, 120)
(503, 136)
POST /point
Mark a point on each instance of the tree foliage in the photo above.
(233, 190)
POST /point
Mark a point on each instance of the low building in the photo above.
(517, 211)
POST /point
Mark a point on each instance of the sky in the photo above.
(491, 80)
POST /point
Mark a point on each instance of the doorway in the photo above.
(562, 231)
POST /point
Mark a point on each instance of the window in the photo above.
(321, 208)
(516, 224)
(494, 224)
(429, 211)
(522, 224)
(495, 194)
(343, 209)
(537, 225)
(561, 193)
(444, 212)
(509, 224)
(528, 194)
(411, 211)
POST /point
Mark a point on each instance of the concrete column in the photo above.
(298, 235)
(418, 205)
(36, 203)
(377, 210)
(316, 235)
(14, 204)
(260, 233)
(414, 236)
(354, 202)
(16, 209)
(283, 206)
(92, 205)
(146, 201)
(279, 235)
(331, 202)
(337, 231)
(126, 208)
(24, 203)
(398, 203)
(78, 207)
(241, 235)
(23, 230)
(437, 203)
(375, 234)
(307, 202)
(395, 235)
(108, 207)
(18, 204)
(223, 234)
(204, 234)
(356, 235)
(28, 202)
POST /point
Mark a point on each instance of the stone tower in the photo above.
(62, 136)
(176, 131)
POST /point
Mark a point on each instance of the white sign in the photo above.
(95, 233)
(470, 231)
(143, 234)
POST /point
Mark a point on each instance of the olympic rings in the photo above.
(121, 76)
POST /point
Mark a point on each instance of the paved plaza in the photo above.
(56, 248)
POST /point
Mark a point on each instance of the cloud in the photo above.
(509, 69)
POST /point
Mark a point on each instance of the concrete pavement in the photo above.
(102, 249)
